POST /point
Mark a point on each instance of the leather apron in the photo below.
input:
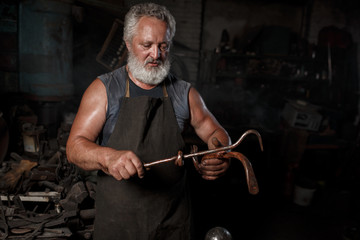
(156, 206)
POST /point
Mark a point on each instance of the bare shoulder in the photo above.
(96, 86)
(91, 114)
(95, 95)
(196, 102)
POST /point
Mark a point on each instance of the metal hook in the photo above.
(179, 157)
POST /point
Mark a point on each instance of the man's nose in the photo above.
(155, 52)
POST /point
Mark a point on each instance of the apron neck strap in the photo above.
(127, 93)
(164, 89)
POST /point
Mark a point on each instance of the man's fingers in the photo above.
(133, 166)
(125, 165)
(115, 173)
(138, 167)
(124, 173)
(130, 170)
(213, 161)
(216, 142)
(213, 172)
(212, 175)
(213, 168)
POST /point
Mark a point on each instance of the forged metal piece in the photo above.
(220, 149)
(249, 172)
(220, 152)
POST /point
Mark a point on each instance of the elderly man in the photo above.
(138, 113)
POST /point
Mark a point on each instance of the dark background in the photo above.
(248, 59)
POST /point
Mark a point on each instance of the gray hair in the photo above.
(150, 10)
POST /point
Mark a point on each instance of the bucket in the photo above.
(303, 196)
(31, 137)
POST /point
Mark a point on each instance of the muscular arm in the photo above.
(208, 128)
(81, 148)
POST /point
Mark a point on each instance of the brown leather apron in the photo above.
(156, 206)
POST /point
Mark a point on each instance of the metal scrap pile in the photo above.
(43, 196)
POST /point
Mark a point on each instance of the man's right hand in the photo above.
(123, 165)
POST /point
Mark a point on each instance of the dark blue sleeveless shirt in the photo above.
(115, 84)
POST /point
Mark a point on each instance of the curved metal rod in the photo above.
(249, 172)
(220, 149)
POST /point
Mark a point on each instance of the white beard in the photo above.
(152, 76)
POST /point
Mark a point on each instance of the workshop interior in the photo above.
(281, 76)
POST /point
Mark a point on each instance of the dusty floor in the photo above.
(333, 213)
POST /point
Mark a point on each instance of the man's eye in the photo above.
(147, 45)
(164, 47)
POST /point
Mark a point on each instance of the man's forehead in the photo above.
(151, 25)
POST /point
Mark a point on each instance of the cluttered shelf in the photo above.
(310, 77)
(233, 65)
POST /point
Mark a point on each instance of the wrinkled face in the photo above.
(148, 52)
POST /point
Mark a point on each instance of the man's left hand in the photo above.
(212, 166)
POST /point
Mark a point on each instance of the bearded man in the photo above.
(139, 112)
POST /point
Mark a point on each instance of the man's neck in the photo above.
(138, 82)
